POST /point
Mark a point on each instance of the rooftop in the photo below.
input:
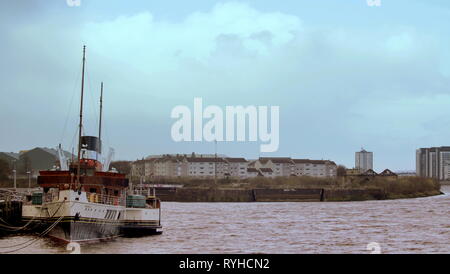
(276, 160)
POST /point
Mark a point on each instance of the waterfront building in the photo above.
(253, 172)
(138, 168)
(281, 166)
(446, 174)
(237, 167)
(209, 166)
(166, 166)
(387, 173)
(314, 168)
(267, 172)
(433, 162)
(363, 160)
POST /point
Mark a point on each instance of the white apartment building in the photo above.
(172, 166)
(446, 171)
(253, 172)
(237, 167)
(138, 168)
(207, 167)
(281, 166)
(363, 160)
(314, 168)
(433, 162)
(267, 172)
(161, 167)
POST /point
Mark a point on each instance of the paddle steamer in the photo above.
(84, 200)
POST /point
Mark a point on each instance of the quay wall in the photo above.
(10, 215)
(267, 195)
(354, 194)
(288, 195)
(203, 195)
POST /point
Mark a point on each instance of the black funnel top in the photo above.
(91, 143)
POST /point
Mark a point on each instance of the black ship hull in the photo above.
(68, 229)
(140, 228)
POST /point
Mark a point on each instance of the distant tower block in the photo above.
(363, 160)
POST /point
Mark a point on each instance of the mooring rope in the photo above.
(10, 227)
(33, 240)
(46, 231)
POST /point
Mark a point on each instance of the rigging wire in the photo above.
(75, 134)
(90, 91)
(71, 103)
(105, 130)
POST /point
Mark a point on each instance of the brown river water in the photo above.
(420, 225)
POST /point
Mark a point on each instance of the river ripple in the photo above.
(420, 225)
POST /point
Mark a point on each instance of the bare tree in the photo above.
(341, 171)
(4, 169)
(122, 166)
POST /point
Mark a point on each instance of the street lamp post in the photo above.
(14, 174)
(215, 162)
(29, 181)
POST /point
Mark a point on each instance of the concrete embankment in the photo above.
(288, 195)
(267, 195)
(204, 195)
(354, 194)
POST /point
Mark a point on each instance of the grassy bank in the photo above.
(408, 187)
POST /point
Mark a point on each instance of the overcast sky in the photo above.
(344, 74)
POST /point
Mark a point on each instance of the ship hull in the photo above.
(71, 217)
(140, 228)
(70, 230)
(141, 222)
(84, 231)
(75, 221)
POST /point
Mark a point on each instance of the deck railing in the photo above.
(50, 197)
(105, 199)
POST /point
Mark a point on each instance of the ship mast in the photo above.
(81, 118)
(100, 122)
(101, 109)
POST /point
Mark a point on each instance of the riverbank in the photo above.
(299, 189)
(279, 195)
(292, 189)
